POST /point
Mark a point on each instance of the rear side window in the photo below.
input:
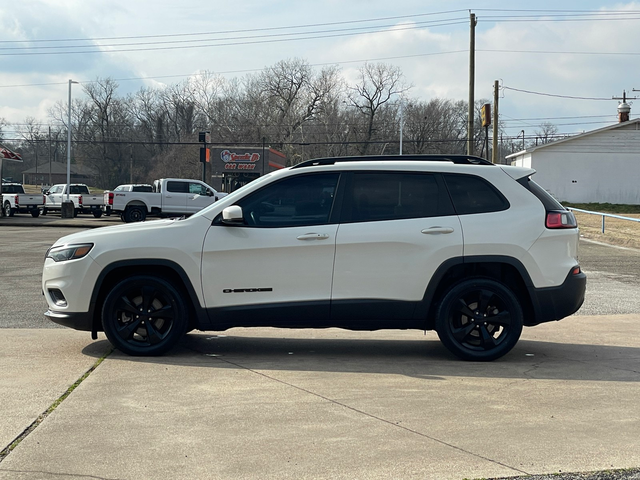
(178, 187)
(471, 194)
(394, 196)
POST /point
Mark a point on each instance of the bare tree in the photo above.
(377, 85)
(547, 133)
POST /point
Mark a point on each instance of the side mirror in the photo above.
(233, 215)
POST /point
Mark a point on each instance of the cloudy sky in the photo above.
(557, 61)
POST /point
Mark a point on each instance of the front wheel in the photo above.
(479, 320)
(144, 315)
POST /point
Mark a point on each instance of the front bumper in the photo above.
(556, 303)
(76, 320)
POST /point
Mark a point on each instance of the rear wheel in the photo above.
(44, 211)
(144, 315)
(35, 213)
(97, 213)
(135, 214)
(8, 211)
(479, 319)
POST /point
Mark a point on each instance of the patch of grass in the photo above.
(615, 208)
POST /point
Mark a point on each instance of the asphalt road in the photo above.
(612, 287)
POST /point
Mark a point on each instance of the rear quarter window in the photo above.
(545, 197)
(471, 194)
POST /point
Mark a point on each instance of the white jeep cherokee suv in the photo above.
(449, 243)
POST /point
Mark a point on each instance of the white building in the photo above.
(601, 166)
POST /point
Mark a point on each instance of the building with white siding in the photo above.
(601, 166)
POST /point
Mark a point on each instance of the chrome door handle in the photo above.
(313, 236)
(437, 230)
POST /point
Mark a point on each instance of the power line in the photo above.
(223, 32)
(228, 72)
(224, 43)
(554, 95)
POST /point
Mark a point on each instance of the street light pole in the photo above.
(67, 206)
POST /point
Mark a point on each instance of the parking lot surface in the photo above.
(269, 403)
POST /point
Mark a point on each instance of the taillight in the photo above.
(17, 200)
(561, 219)
(110, 198)
(79, 199)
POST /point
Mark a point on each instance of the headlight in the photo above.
(68, 252)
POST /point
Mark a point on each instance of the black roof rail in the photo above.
(457, 159)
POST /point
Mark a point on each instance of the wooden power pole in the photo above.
(472, 68)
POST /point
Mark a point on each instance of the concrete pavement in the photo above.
(268, 403)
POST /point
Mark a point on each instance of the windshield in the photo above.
(230, 199)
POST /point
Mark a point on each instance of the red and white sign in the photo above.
(9, 155)
(228, 157)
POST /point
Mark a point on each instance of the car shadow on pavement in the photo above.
(415, 358)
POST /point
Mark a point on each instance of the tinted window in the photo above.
(12, 189)
(78, 189)
(392, 196)
(142, 188)
(303, 200)
(472, 194)
(178, 187)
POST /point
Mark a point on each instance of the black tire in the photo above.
(144, 315)
(35, 213)
(44, 211)
(8, 211)
(97, 213)
(479, 320)
(75, 212)
(135, 214)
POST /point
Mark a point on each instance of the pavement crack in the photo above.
(375, 417)
(16, 441)
(62, 475)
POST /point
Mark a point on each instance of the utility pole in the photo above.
(204, 138)
(472, 68)
(494, 143)
(49, 183)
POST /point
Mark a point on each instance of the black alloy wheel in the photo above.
(479, 320)
(135, 214)
(144, 315)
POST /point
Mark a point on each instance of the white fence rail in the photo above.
(604, 215)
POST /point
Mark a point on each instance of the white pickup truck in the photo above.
(83, 200)
(15, 200)
(170, 197)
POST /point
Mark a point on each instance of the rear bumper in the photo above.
(76, 320)
(556, 303)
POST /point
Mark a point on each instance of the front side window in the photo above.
(197, 188)
(298, 201)
(393, 196)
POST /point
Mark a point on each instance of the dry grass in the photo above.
(617, 232)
